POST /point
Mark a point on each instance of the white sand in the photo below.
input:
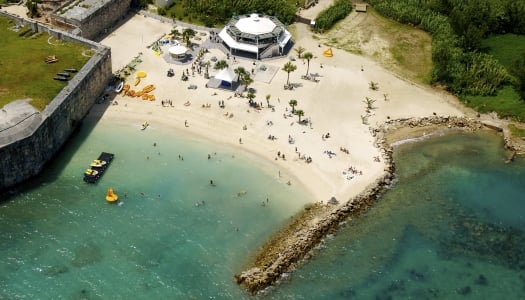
(334, 105)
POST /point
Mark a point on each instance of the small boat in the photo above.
(97, 163)
(144, 125)
(91, 172)
(60, 78)
(111, 196)
(137, 81)
(64, 74)
(98, 167)
(71, 70)
(119, 87)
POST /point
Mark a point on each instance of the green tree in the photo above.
(244, 77)
(299, 113)
(292, 103)
(288, 68)
(250, 96)
(221, 64)
(175, 33)
(32, 7)
(187, 35)
(299, 50)
(308, 56)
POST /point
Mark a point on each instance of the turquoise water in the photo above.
(451, 228)
(174, 236)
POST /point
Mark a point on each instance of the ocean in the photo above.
(452, 226)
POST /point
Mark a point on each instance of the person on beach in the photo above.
(185, 123)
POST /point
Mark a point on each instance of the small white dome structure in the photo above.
(178, 52)
(261, 35)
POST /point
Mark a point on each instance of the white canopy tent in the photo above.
(227, 76)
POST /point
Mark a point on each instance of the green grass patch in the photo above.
(516, 131)
(506, 48)
(409, 46)
(506, 104)
(24, 71)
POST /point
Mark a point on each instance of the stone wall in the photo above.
(26, 156)
(97, 23)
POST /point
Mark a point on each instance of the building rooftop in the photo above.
(79, 10)
(254, 24)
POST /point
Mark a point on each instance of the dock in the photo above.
(104, 156)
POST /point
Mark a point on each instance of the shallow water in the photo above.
(451, 228)
(174, 235)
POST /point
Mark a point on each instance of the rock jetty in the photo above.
(296, 242)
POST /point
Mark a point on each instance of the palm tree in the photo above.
(268, 100)
(32, 7)
(299, 113)
(187, 35)
(175, 33)
(299, 50)
(250, 97)
(374, 86)
(244, 77)
(289, 67)
(308, 56)
(369, 103)
(293, 103)
(221, 64)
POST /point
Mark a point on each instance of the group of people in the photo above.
(330, 153)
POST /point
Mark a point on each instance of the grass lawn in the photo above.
(24, 71)
(404, 49)
(506, 49)
(507, 104)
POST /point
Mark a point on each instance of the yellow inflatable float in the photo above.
(328, 52)
(111, 196)
(141, 74)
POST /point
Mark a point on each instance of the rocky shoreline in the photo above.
(296, 241)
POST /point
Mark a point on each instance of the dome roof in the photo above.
(254, 24)
(178, 50)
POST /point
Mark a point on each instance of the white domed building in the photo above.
(255, 35)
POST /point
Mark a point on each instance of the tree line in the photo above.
(458, 28)
(327, 18)
(220, 11)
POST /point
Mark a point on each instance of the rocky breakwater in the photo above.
(296, 242)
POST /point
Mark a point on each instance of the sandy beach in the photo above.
(335, 105)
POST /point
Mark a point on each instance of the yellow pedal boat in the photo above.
(111, 196)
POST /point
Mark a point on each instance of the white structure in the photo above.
(263, 36)
(178, 52)
(227, 77)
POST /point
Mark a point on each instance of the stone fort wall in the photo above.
(92, 24)
(26, 154)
